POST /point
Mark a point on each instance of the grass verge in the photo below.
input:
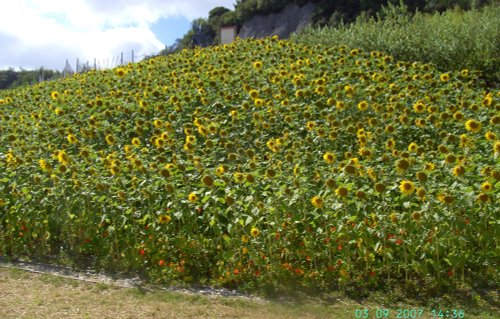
(32, 295)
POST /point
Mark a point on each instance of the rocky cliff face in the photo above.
(291, 19)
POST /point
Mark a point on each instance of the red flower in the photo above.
(161, 263)
(372, 273)
(339, 247)
(236, 271)
(450, 273)
(142, 252)
(399, 241)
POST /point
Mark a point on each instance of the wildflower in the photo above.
(407, 187)
(54, 95)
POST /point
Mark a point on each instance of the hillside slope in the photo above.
(258, 164)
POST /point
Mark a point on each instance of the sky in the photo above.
(44, 33)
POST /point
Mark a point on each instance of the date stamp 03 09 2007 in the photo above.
(382, 313)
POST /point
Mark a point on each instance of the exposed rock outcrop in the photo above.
(291, 19)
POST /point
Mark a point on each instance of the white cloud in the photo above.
(36, 33)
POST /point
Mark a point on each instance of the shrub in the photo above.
(453, 40)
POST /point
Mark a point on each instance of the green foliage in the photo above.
(11, 78)
(453, 40)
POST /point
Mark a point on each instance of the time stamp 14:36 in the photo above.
(382, 313)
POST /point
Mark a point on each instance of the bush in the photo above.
(453, 40)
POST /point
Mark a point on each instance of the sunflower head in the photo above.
(192, 197)
(317, 201)
(407, 187)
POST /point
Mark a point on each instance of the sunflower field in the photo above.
(263, 163)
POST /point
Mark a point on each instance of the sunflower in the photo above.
(407, 187)
(254, 232)
(402, 165)
(421, 176)
(164, 219)
(192, 197)
(483, 197)
(421, 193)
(317, 201)
(250, 178)
(458, 170)
(416, 216)
(63, 157)
(419, 107)
(72, 139)
(110, 139)
(473, 126)
(341, 192)
(54, 95)
(445, 77)
(486, 186)
(445, 198)
(310, 125)
(44, 165)
(136, 142)
(496, 147)
(490, 136)
(363, 106)
(329, 157)
(220, 170)
(254, 94)
(120, 72)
